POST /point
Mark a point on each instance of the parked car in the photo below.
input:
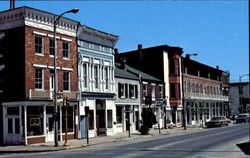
(218, 121)
(242, 118)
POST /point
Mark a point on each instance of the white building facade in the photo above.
(96, 82)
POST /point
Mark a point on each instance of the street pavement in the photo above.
(194, 142)
(75, 143)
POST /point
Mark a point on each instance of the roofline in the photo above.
(26, 7)
(165, 47)
(203, 64)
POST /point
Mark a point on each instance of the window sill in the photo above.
(64, 58)
(39, 89)
(52, 56)
(39, 54)
(67, 91)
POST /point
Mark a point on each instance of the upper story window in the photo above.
(39, 44)
(66, 48)
(122, 90)
(107, 77)
(39, 78)
(96, 76)
(153, 92)
(85, 75)
(133, 91)
(172, 90)
(174, 66)
(144, 91)
(51, 47)
(66, 80)
(160, 91)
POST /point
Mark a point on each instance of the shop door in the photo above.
(83, 127)
(13, 130)
(50, 127)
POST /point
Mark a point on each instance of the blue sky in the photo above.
(216, 30)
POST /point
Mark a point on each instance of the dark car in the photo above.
(242, 118)
(218, 121)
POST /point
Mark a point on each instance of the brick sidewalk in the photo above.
(45, 147)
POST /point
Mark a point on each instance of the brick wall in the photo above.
(31, 59)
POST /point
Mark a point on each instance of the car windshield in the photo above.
(216, 118)
(242, 116)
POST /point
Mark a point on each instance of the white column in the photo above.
(44, 120)
(60, 121)
(25, 125)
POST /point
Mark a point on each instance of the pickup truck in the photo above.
(218, 121)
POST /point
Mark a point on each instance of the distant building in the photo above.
(162, 62)
(96, 81)
(239, 97)
(27, 75)
(128, 100)
(205, 91)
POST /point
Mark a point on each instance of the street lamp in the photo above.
(56, 19)
(241, 92)
(183, 93)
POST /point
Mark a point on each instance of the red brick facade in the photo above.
(31, 58)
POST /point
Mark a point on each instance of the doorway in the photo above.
(50, 127)
(100, 117)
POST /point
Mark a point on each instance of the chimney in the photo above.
(116, 55)
(12, 4)
(217, 67)
(123, 63)
(139, 48)
(188, 56)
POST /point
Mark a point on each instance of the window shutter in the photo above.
(136, 91)
(119, 90)
(126, 90)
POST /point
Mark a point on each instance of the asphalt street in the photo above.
(213, 142)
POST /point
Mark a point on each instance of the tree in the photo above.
(148, 120)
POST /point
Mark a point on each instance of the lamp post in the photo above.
(183, 93)
(55, 75)
(241, 92)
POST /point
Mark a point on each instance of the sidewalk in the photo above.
(75, 143)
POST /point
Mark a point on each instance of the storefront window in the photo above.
(34, 120)
(69, 118)
(119, 114)
(91, 119)
(110, 120)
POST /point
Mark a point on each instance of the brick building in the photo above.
(26, 79)
(205, 91)
(162, 62)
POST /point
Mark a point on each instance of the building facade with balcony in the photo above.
(239, 97)
(205, 92)
(96, 81)
(128, 109)
(27, 75)
(162, 62)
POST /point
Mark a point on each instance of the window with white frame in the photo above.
(85, 75)
(96, 76)
(38, 44)
(107, 77)
(39, 78)
(66, 49)
(132, 91)
(160, 91)
(66, 80)
(153, 92)
(121, 90)
(51, 47)
(144, 90)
